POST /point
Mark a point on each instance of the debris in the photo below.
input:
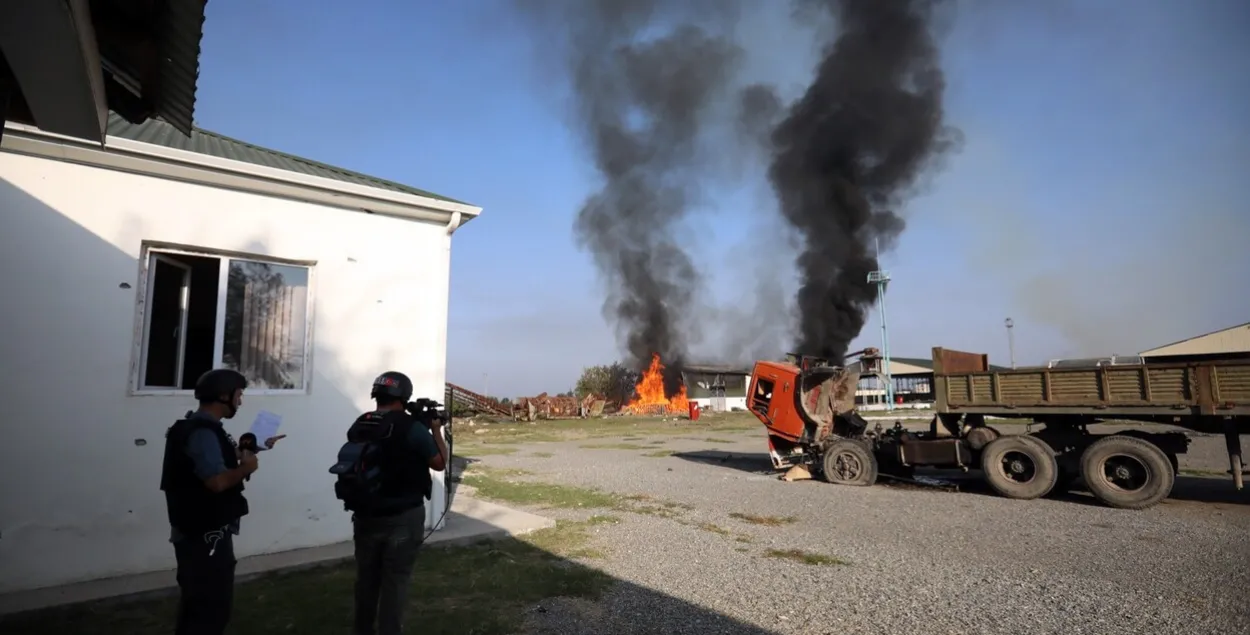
(797, 473)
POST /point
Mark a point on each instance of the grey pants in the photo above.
(386, 549)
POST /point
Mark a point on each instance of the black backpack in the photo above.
(361, 461)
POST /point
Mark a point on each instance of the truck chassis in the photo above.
(814, 429)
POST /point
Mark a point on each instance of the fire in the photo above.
(651, 398)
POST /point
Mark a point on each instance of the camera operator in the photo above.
(202, 478)
(389, 530)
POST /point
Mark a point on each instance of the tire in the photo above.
(1127, 472)
(1019, 467)
(848, 462)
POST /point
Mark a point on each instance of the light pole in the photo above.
(882, 279)
(486, 385)
(1011, 341)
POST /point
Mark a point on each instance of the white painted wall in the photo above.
(78, 498)
(705, 403)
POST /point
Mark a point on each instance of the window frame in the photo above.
(149, 249)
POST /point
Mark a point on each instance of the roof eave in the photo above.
(143, 158)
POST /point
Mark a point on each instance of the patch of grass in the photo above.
(713, 528)
(650, 506)
(542, 455)
(715, 440)
(449, 588)
(631, 438)
(494, 484)
(659, 454)
(742, 549)
(614, 446)
(770, 521)
(1204, 473)
(570, 538)
(476, 451)
(805, 557)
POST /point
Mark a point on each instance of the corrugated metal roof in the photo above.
(161, 133)
(181, 33)
(1234, 339)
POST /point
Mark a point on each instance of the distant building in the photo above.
(1229, 343)
(716, 387)
(912, 378)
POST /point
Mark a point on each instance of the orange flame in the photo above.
(651, 398)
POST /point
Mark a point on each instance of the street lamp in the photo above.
(1011, 341)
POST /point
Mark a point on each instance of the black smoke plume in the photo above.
(642, 100)
(850, 151)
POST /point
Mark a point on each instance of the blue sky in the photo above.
(1100, 197)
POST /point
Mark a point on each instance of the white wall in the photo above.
(79, 498)
(705, 403)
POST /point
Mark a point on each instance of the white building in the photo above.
(129, 270)
(716, 388)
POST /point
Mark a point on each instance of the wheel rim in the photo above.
(1017, 467)
(847, 466)
(1125, 473)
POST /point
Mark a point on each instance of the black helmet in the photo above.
(392, 384)
(217, 382)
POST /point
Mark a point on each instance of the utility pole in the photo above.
(486, 385)
(882, 279)
(1011, 341)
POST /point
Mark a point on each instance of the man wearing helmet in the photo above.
(388, 536)
(202, 478)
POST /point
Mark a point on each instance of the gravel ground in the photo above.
(917, 559)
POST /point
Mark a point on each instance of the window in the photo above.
(204, 311)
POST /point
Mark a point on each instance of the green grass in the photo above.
(659, 454)
(715, 440)
(483, 589)
(623, 428)
(542, 455)
(476, 451)
(805, 557)
(497, 484)
(770, 521)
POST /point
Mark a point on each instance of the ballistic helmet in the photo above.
(217, 382)
(393, 385)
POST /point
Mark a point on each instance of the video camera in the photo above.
(426, 411)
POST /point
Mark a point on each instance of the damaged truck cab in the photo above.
(808, 409)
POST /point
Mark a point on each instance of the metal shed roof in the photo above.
(209, 143)
(1234, 339)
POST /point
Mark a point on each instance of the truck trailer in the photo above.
(808, 409)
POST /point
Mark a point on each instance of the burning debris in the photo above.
(652, 399)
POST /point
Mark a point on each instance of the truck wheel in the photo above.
(1020, 467)
(1127, 472)
(848, 462)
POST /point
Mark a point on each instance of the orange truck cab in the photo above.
(801, 402)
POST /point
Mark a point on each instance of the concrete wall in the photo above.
(80, 466)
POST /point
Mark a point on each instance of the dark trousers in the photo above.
(206, 583)
(386, 549)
